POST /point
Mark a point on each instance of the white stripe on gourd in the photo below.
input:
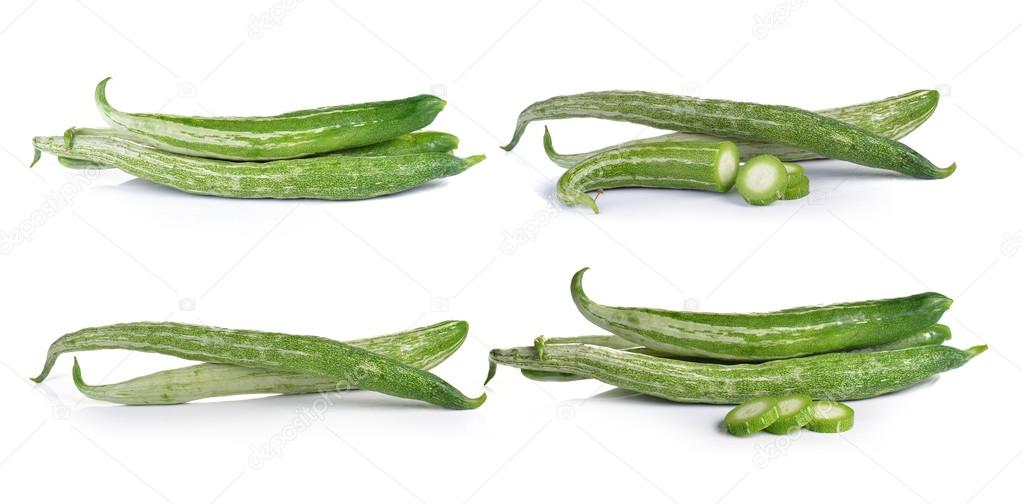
(765, 336)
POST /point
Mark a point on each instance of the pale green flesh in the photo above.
(762, 180)
(765, 336)
(422, 348)
(672, 165)
(308, 355)
(779, 124)
(830, 417)
(752, 416)
(838, 376)
(333, 177)
(794, 411)
(291, 135)
(893, 117)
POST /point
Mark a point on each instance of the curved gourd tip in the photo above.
(474, 160)
(948, 171)
(69, 137)
(491, 371)
(515, 138)
(76, 375)
(975, 350)
(548, 143)
(36, 155)
(477, 401)
(574, 197)
(101, 95)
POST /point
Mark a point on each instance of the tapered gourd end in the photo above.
(76, 375)
(491, 371)
(474, 160)
(548, 143)
(572, 197)
(101, 93)
(975, 350)
(476, 402)
(519, 129)
(36, 156)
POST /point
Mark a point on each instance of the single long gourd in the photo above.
(285, 136)
(933, 335)
(310, 355)
(333, 177)
(705, 166)
(755, 122)
(411, 143)
(835, 376)
(893, 117)
(422, 348)
(765, 336)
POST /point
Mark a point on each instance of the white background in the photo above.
(489, 247)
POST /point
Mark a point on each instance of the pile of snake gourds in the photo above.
(782, 360)
(344, 152)
(720, 144)
(236, 362)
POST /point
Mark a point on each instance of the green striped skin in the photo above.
(309, 355)
(670, 165)
(766, 336)
(837, 376)
(325, 177)
(79, 164)
(933, 335)
(796, 187)
(292, 135)
(937, 334)
(741, 121)
(412, 143)
(422, 348)
(893, 117)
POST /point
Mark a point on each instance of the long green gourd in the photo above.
(422, 348)
(933, 335)
(835, 376)
(893, 117)
(411, 143)
(765, 336)
(704, 166)
(334, 177)
(755, 122)
(309, 355)
(291, 135)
